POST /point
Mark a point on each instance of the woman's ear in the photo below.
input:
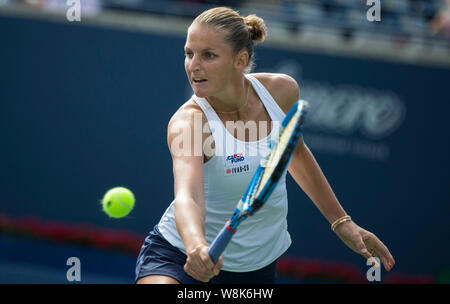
(241, 60)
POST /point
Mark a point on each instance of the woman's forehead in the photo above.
(205, 37)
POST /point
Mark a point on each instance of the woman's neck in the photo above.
(232, 99)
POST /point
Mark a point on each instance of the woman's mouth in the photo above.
(198, 80)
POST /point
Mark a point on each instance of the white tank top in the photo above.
(261, 238)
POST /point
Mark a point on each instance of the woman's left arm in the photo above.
(307, 173)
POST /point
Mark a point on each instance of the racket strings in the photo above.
(273, 165)
(279, 150)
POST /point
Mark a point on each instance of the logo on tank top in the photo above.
(235, 158)
(235, 164)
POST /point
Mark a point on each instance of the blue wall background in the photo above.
(84, 109)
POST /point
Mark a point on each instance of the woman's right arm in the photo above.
(189, 193)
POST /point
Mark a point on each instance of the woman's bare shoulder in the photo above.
(283, 88)
(186, 125)
(187, 113)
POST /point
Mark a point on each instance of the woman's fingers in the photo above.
(195, 269)
(379, 250)
(200, 266)
(366, 244)
(218, 266)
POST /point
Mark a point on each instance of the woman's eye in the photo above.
(188, 54)
(210, 55)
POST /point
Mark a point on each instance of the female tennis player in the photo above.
(216, 140)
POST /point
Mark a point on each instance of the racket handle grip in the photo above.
(220, 242)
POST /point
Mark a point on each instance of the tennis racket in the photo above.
(266, 177)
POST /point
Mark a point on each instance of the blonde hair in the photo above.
(240, 32)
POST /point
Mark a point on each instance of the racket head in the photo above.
(277, 161)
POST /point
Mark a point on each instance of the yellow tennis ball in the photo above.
(118, 202)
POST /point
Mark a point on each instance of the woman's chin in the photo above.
(200, 93)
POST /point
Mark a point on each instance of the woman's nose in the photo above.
(194, 64)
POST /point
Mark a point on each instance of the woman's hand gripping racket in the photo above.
(266, 176)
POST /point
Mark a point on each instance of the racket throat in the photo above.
(256, 205)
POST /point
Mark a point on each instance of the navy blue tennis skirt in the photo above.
(159, 257)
